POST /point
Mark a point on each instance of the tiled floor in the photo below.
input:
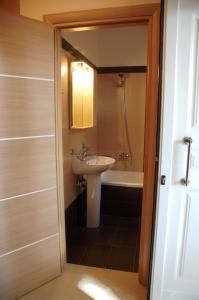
(114, 245)
(86, 283)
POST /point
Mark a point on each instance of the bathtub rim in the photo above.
(123, 183)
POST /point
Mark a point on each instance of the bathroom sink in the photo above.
(92, 164)
(92, 167)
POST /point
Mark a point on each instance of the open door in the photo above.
(30, 252)
(176, 256)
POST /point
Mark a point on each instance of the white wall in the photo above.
(37, 8)
(121, 46)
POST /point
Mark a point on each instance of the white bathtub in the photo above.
(123, 178)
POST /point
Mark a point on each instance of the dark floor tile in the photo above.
(126, 237)
(96, 256)
(114, 245)
(75, 253)
(121, 258)
(93, 236)
(109, 221)
(78, 235)
(129, 223)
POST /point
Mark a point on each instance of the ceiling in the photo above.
(111, 47)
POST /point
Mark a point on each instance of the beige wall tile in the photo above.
(111, 125)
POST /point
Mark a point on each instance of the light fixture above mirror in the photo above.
(81, 95)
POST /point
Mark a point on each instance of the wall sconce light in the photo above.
(82, 86)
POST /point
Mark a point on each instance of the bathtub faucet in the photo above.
(123, 156)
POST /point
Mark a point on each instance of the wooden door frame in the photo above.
(94, 19)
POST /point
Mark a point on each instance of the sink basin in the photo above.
(92, 165)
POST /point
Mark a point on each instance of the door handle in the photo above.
(188, 141)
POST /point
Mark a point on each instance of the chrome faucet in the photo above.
(123, 156)
(83, 152)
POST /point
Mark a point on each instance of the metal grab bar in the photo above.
(188, 141)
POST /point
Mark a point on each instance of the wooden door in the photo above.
(29, 231)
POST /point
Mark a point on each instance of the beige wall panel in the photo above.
(26, 219)
(29, 268)
(27, 48)
(26, 107)
(26, 166)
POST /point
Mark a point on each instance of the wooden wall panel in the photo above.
(26, 219)
(26, 166)
(27, 48)
(26, 107)
(29, 268)
(29, 232)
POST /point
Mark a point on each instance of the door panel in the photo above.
(27, 47)
(189, 248)
(29, 232)
(181, 277)
(28, 268)
(26, 107)
(27, 165)
(26, 219)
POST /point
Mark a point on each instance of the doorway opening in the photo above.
(146, 15)
(119, 65)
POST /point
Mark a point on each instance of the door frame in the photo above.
(98, 18)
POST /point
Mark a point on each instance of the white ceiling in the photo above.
(111, 47)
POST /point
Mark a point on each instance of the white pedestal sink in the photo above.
(92, 167)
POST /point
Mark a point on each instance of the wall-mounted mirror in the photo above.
(81, 95)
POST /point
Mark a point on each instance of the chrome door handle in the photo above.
(188, 141)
